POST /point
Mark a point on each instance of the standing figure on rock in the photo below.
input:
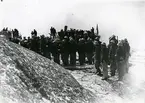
(120, 57)
(15, 33)
(48, 47)
(127, 53)
(81, 50)
(72, 51)
(43, 49)
(29, 43)
(104, 61)
(35, 45)
(53, 32)
(89, 50)
(65, 51)
(97, 55)
(61, 34)
(112, 51)
(34, 33)
(56, 50)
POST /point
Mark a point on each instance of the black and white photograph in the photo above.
(72, 51)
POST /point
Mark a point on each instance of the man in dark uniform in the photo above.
(120, 58)
(104, 61)
(97, 55)
(81, 50)
(15, 33)
(65, 51)
(65, 28)
(43, 45)
(72, 51)
(89, 50)
(53, 32)
(29, 42)
(92, 31)
(48, 47)
(66, 32)
(35, 43)
(56, 50)
(61, 34)
(35, 32)
(112, 51)
(127, 53)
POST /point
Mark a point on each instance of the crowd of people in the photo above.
(72, 47)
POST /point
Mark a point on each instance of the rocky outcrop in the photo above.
(26, 77)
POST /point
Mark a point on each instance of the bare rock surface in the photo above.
(26, 77)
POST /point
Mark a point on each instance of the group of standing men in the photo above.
(71, 45)
(116, 55)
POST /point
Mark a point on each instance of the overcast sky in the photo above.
(125, 19)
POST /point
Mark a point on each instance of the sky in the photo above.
(123, 18)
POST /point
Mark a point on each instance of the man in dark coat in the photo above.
(48, 47)
(89, 48)
(81, 50)
(126, 48)
(112, 51)
(120, 58)
(15, 33)
(97, 55)
(65, 51)
(35, 45)
(72, 51)
(61, 34)
(53, 32)
(104, 61)
(56, 50)
(29, 43)
(34, 33)
(43, 45)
